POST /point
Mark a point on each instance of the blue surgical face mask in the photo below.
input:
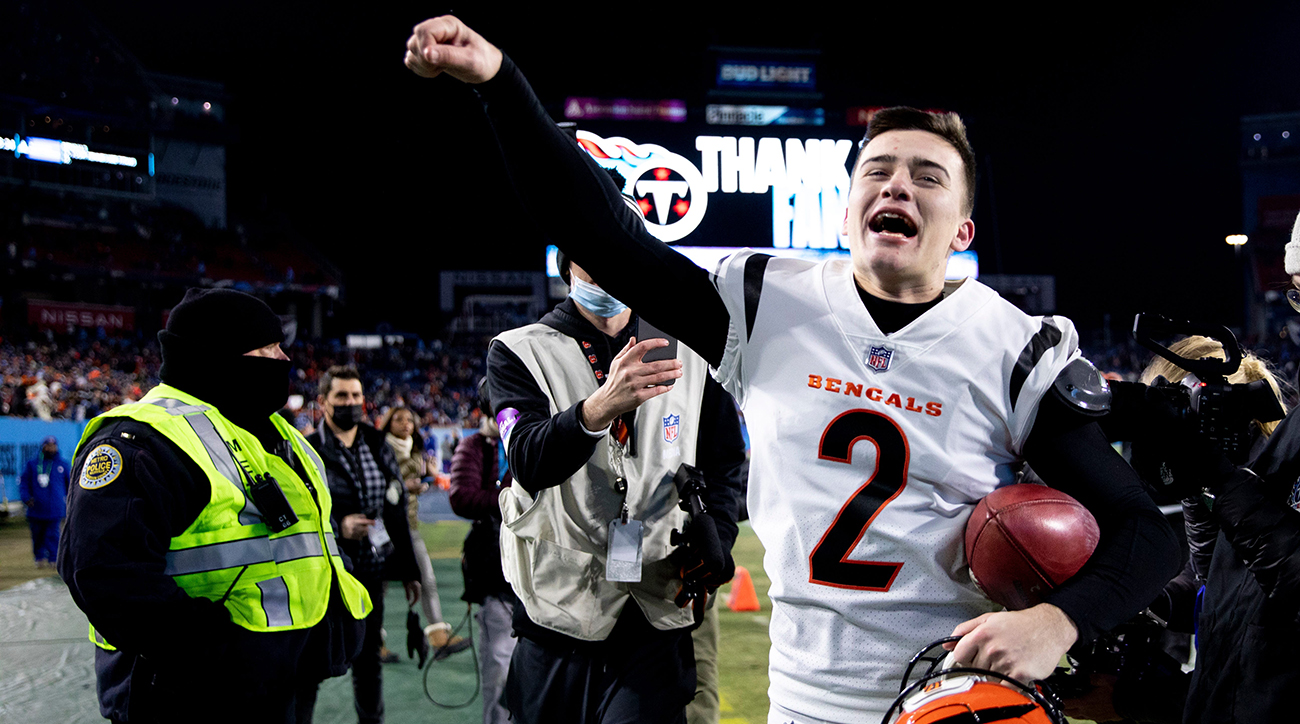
(595, 300)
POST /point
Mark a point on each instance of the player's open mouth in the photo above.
(890, 223)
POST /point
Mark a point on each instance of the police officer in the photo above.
(198, 540)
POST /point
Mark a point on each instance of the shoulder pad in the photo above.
(1082, 387)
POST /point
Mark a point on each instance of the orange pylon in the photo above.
(743, 596)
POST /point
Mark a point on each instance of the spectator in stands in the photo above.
(370, 515)
(478, 473)
(398, 426)
(42, 488)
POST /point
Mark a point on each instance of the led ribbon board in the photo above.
(49, 150)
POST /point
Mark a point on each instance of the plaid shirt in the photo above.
(371, 486)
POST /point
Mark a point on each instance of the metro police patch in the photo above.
(672, 425)
(102, 467)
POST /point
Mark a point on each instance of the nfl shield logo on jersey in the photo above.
(878, 358)
(671, 426)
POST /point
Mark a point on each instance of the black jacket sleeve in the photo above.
(1137, 554)
(1255, 518)
(602, 235)
(113, 552)
(721, 457)
(545, 449)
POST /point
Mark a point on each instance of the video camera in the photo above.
(1222, 411)
(1204, 403)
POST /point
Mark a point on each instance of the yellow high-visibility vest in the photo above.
(268, 581)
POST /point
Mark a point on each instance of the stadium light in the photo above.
(1236, 239)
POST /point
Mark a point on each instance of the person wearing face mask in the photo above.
(199, 542)
(42, 488)
(370, 504)
(593, 440)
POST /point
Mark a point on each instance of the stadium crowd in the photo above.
(79, 378)
(76, 379)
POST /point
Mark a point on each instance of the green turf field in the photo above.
(742, 660)
(48, 662)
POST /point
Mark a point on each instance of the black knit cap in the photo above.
(216, 323)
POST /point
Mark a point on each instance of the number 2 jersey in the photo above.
(869, 453)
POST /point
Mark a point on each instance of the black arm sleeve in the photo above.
(721, 458)
(1137, 554)
(113, 554)
(544, 450)
(1264, 531)
(601, 234)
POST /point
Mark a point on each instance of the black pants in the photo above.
(639, 675)
(367, 671)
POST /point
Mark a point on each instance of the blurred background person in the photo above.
(398, 426)
(479, 470)
(43, 488)
(370, 513)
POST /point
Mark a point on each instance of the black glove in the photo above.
(705, 561)
(416, 641)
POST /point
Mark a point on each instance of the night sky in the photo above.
(1110, 137)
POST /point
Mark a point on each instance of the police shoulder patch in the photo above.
(102, 467)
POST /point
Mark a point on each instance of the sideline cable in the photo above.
(466, 622)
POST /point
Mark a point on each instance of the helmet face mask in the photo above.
(949, 694)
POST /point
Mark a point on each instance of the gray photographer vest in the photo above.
(553, 545)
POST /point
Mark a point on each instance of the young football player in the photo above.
(948, 387)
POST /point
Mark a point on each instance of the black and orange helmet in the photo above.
(948, 694)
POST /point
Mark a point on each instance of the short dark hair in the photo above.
(947, 126)
(337, 372)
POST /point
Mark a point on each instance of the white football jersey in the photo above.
(869, 453)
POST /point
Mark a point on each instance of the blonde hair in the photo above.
(1195, 347)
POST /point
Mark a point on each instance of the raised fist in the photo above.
(446, 45)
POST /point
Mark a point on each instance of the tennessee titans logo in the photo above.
(878, 358)
(667, 187)
(672, 425)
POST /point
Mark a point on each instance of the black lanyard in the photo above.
(621, 429)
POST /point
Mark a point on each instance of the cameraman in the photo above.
(1250, 618)
(1132, 675)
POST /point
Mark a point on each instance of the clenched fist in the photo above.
(446, 45)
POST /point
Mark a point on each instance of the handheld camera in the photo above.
(1221, 411)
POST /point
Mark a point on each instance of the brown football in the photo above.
(1023, 540)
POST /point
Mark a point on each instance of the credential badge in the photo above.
(878, 358)
(672, 425)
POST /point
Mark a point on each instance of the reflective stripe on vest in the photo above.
(246, 552)
(275, 602)
(217, 450)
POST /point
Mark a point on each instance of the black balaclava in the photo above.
(203, 351)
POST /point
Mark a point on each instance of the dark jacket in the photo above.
(345, 490)
(1250, 618)
(475, 494)
(172, 647)
(45, 502)
(475, 475)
